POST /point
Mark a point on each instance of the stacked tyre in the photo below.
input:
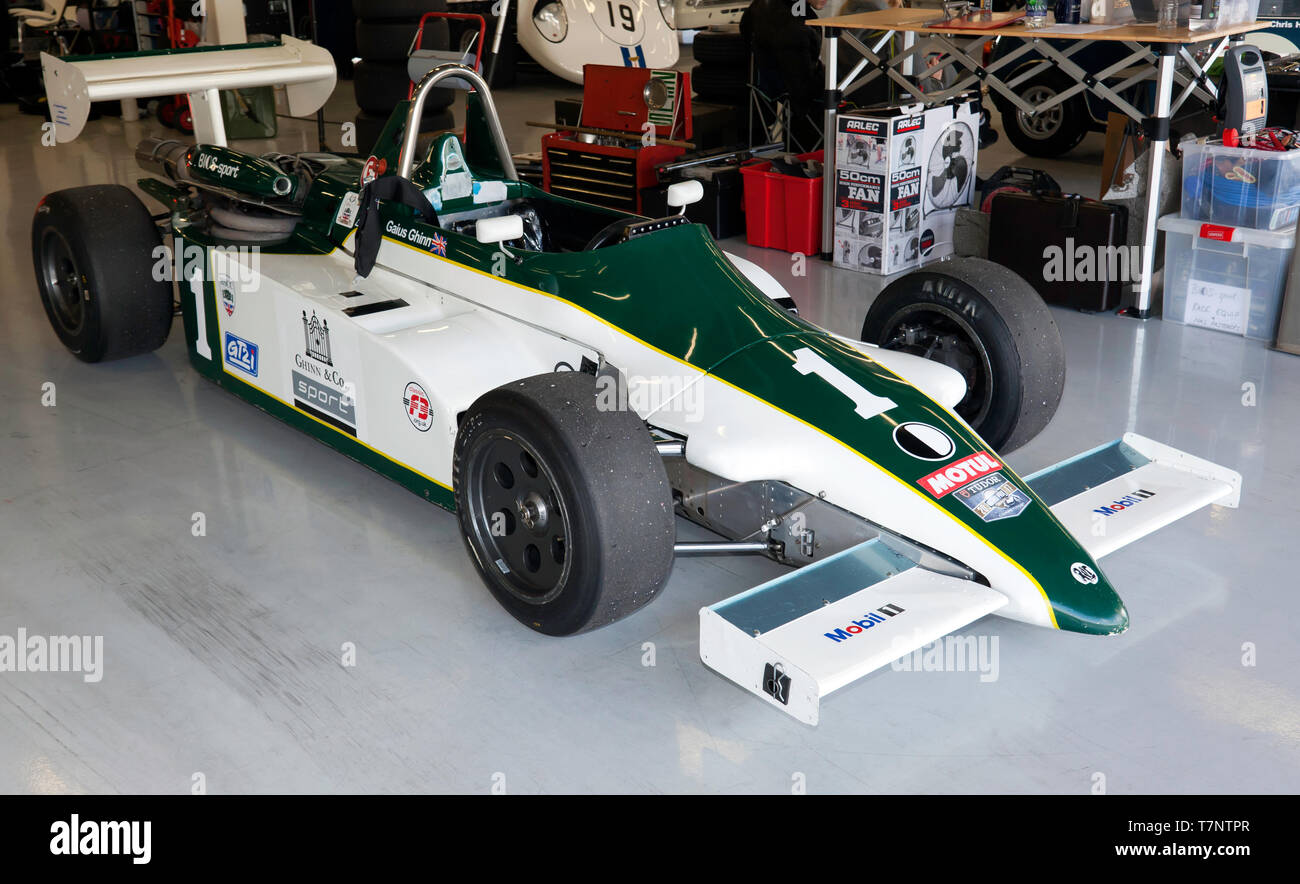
(722, 72)
(385, 32)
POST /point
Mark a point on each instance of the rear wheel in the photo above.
(565, 507)
(94, 251)
(989, 324)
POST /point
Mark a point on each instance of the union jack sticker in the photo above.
(439, 244)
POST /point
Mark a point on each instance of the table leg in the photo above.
(832, 105)
(1158, 137)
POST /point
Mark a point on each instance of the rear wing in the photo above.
(72, 84)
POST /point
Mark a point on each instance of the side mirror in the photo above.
(683, 193)
(500, 229)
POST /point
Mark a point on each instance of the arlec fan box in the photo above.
(900, 175)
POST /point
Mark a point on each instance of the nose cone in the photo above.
(1094, 609)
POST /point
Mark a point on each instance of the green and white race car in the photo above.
(570, 380)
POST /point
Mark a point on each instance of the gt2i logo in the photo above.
(417, 407)
(1124, 502)
(860, 626)
(241, 354)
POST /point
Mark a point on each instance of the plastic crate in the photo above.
(1225, 278)
(783, 211)
(1241, 186)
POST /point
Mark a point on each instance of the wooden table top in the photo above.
(913, 20)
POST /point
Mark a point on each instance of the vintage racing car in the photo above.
(570, 380)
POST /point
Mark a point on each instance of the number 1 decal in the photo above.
(868, 404)
(200, 316)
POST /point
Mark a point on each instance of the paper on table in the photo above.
(1075, 29)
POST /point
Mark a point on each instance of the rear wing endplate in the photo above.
(71, 85)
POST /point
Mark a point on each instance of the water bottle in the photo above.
(1067, 12)
(1168, 17)
(1035, 13)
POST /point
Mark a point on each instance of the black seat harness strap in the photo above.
(369, 231)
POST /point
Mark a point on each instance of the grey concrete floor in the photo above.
(223, 654)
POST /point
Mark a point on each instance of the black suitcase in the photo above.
(720, 209)
(1073, 250)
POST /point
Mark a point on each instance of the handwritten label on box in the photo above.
(1217, 306)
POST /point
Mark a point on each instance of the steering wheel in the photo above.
(610, 234)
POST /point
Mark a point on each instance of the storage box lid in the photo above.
(1274, 239)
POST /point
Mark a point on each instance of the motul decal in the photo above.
(958, 473)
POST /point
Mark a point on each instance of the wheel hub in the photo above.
(533, 512)
(940, 335)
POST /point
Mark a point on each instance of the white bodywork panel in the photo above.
(631, 33)
(305, 69)
(838, 643)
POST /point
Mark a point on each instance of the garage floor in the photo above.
(223, 653)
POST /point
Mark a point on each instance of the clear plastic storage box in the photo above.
(1225, 278)
(1241, 186)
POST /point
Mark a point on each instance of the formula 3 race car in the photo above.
(569, 380)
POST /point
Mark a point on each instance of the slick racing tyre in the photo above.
(380, 85)
(392, 40)
(989, 324)
(395, 10)
(725, 48)
(564, 505)
(94, 251)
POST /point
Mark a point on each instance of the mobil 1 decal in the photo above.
(861, 191)
(904, 188)
(323, 366)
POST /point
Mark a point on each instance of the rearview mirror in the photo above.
(683, 193)
(500, 229)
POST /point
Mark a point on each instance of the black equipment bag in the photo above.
(1071, 249)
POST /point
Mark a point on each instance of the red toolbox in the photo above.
(627, 104)
(783, 211)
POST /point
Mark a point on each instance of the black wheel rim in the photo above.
(941, 335)
(64, 286)
(518, 519)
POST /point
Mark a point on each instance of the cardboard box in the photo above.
(900, 176)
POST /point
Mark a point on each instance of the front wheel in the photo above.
(564, 505)
(990, 325)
